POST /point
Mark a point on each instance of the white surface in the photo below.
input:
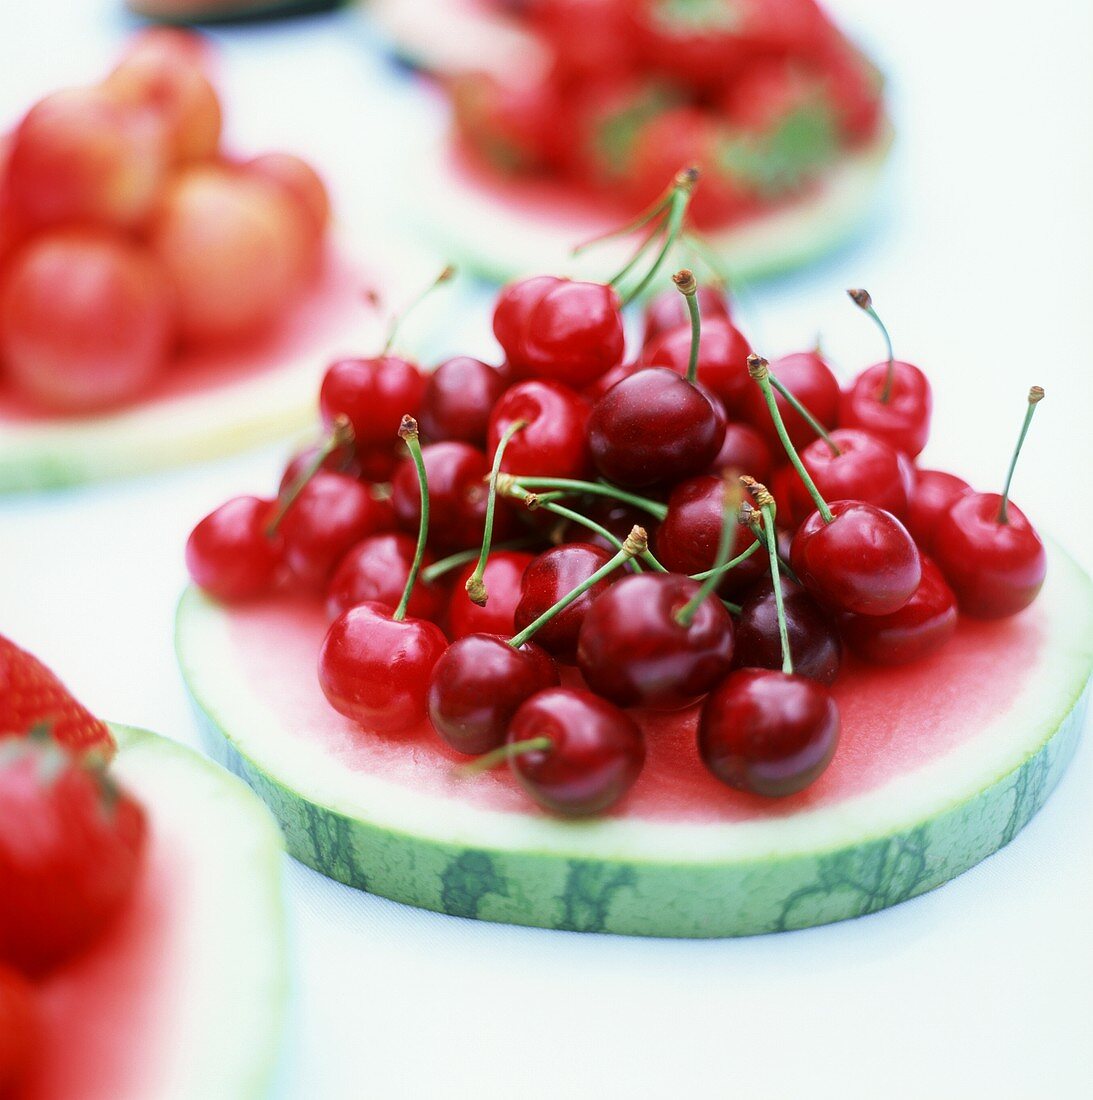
(982, 268)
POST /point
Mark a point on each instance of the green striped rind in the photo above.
(648, 880)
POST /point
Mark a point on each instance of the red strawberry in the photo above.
(71, 846)
(30, 695)
(19, 1034)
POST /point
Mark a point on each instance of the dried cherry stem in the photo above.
(476, 585)
(759, 369)
(634, 545)
(864, 302)
(502, 753)
(767, 507)
(732, 497)
(1035, 396)
(802, 410)
(340, 435)
(446, 275)
(687, 286)
(594, 488)
(464, 557)
(409, 435)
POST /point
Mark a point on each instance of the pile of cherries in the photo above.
(127, 232)
(764, 95)
(595, 536)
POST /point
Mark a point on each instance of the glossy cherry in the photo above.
(633, 650)
(376, 569)
(768, 732)
(595, 752)
(230, 554)
(459, 396)
(477, 686)
(374, 394)
(666, 312)
(553, 441)
(813, 638)
(721, 359)
(606, 381)
(920, 627)
(934, 492)
(808, 377)
(21, 1038)
(503, 576)
(744, 451)
(654, 428)
(547, 579)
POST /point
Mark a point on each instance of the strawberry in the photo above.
(71, 848)
(19, 1029)
(30, 695)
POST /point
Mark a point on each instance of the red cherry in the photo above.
(633, 650)
(768, 732)
(996, 569)
(553, 441)
(332, 512)
(571, 332)
(230, 555)
(722, 355)
(376, 571)
(920, 627)
(374, 394)
(863, 560)
(744, 451)
(459, 396)
(477, 686)
(375, 669)
(547, 579)
(503, 575)
(653, 428)
(596, 752)
(809, 379)
(606, 381)
(903, 421)
(933, 494)
(667, 311)
(20, 1030)
(813, 639)
(341, 460)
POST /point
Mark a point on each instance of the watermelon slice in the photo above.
(940, 764)
(184, 997)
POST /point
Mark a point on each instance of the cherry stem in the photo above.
(596, 488)
(759, 369)
(677, 211)
(642, 220)
(476, 585)
(688, 287)
(502, 753)
(1035, 396)
(732, 563)
(445, 275)
(731, 498)
(864, 302)
(409, 435)
(706, 254)
(340, 435)
(766, 504)
(464, 557)
(635, 545)
(802, 411)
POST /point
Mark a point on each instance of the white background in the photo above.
(981, 264)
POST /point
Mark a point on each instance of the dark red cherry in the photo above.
(996, 569)
(863, 561)
(933, 494)
(459, 396)
(866, 469)
(374, 394)
(554, 441)
(813, 639)
(477, 686)
(376, 571)
(809, 379)
(903, 421)
(596, 751)
(667, 311)
(230, 554)
(458, 493)
(375, 669)
(503, 574)
(571, 332)
(548, 578)
(768, 732)
(722, 359)
(332, 512)
(744, 451)
(920, 627)
(633, 650)
(654, 428)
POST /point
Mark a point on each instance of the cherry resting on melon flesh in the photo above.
(230, 554)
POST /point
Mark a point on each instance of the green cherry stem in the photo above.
(409, 435)
(634, 545)
(759, 369)
(594, 488)
(340, 435)
(731, 498)
(502, 753)
(767, 507)
(446, 274)
(802, 410)
(732, 563)
(476, 585)
(437, 570)
(1035, 396)
(861, 298)
(687, 286)
(642, 220)
(677, 212)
